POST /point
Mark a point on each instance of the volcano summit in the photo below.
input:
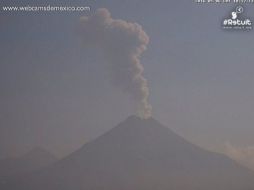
(138, 154)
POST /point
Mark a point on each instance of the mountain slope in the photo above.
(31, 161)
(139, 155)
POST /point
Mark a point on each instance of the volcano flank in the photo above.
(138, 154)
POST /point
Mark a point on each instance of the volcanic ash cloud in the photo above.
(123, 43)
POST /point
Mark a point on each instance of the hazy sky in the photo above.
(58, 94)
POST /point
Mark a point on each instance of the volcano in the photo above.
(138, 154)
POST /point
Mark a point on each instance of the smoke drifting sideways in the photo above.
(123, 44)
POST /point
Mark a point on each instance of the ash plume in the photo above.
(123, 43)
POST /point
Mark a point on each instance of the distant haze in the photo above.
(59, 92)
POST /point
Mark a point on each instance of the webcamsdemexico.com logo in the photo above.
(237, 20)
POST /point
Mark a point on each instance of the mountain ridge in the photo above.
(32, 160)
(139, 154)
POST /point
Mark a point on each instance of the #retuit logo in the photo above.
(237, 20)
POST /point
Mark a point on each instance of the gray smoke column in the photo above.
(123, 43)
